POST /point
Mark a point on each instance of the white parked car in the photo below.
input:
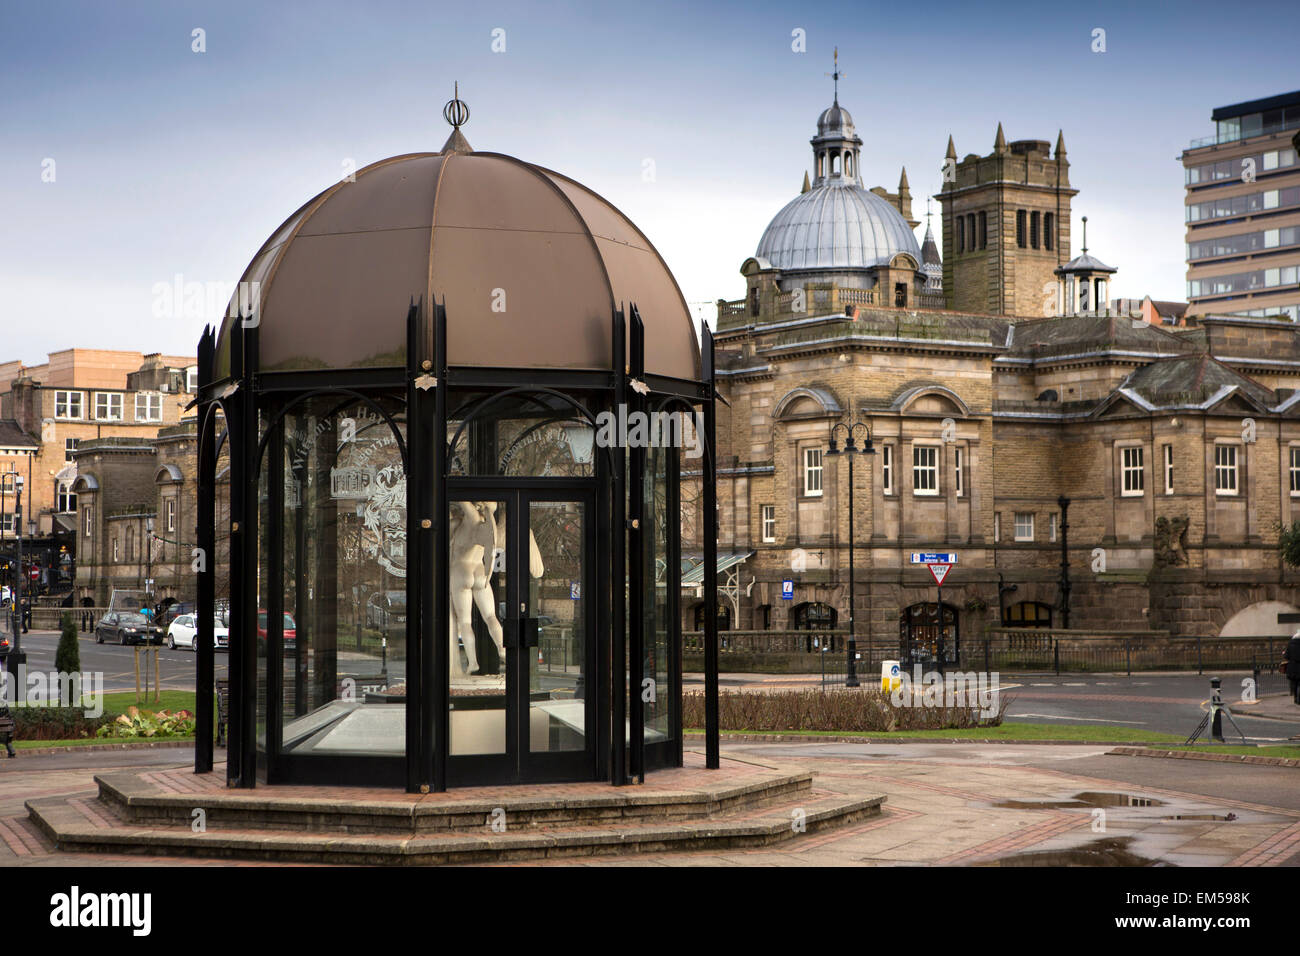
(184, 633)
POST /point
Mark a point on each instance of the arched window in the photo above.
(1027, 614)
(835, 164)
(1049, 231)
(970, 229)
(1020, 228)
(815, 616)
(919, 633)
(130, 544)
(848, 164)
(984, 230)
(1035, 228)
(960, 224)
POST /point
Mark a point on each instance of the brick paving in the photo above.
(1272, 851)
(938, 812)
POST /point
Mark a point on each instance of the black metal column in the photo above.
(709, 529)
(618, 567)
(435, 674)
(241, 407)
(420, 622)
(274, 598)
(636, 538)
(205, 541)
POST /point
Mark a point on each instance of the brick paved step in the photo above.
(82, 825)
(140, 802)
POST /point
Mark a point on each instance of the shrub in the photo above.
(844, 710)
(55, 723)
(67, 659)
(142, 723)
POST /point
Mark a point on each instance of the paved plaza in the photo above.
(946, 804)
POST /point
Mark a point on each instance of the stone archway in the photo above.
(1260, 620)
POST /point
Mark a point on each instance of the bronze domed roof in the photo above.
(531, 265)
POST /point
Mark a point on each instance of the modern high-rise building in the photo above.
(1243, 211)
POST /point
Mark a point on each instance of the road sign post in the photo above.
(939, 564)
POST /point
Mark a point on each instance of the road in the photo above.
(115, 662)
(1165, 703)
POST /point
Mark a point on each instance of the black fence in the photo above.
(1116, 655)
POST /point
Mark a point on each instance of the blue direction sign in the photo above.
(787, 590)
(934, 557)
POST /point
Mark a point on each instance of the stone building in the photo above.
(136, 520)
(1178, 450)
(1006, 226)
(78, 395)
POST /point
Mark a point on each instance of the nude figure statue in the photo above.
(475, 535)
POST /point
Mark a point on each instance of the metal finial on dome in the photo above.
(1085, 235)
(836, 76)
(456, 112)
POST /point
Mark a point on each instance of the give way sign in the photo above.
(939, 572)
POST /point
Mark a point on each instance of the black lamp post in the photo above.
(851, 449)
(20, 622)
(1064, 502)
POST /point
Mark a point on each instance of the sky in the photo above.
(129, 158)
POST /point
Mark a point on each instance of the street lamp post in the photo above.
(851, 449)
(148, 566)
(18, 577)
(1064, 502)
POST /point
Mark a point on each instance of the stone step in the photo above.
(82, 824)
(139, 802)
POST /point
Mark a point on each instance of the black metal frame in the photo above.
(254, 404)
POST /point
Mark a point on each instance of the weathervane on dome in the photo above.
(456, 112)
(836, 76)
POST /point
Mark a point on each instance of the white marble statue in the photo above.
(475, 537)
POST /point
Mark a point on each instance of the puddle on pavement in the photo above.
(1088, 798)
(1110, 852)
(1221, 817)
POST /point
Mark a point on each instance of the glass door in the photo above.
(521, 631)
(557, 706)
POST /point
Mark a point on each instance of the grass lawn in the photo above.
(1008, 730)
(169, 700)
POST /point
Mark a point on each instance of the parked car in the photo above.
(125, 627)
(290, 631)
(4, 649)
(184, 631)
(162, 621)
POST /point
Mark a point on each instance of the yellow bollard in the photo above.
(890, 677)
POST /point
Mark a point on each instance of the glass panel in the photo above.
(477, 591)
(657, 625)
(523, 435)
(557, 599)
(344, 568)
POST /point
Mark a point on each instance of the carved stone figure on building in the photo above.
(1170, 541)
